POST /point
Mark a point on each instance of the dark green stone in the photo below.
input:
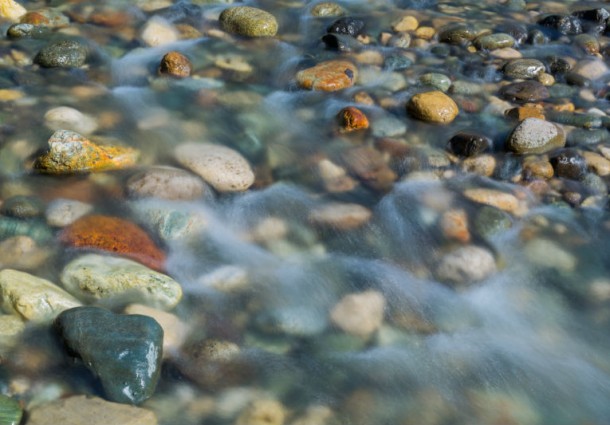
(491, 221)
(10, 411)
(124, 351)
(62, 54)
(28, 31)
(35, 229)
(22, 207)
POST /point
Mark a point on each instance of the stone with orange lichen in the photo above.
(175, 64)
(331, 75)
(352, 119)
(69, 153)
(116, 236)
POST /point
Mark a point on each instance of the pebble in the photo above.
(327, 9)
(352, 119)
(123, 351)
(359, 314)
(34, 229)
(11, 10)
(523, 68)
(62, 54)
(69, 153)
(32, 298)
(66, 118)
(483, 165)
(591, 69)
(456, 33)
(490, 221)
(248, 21)
(347, 26)
(466, 264)
(525, 91)
(534, 135)
(175, 64)
(434, 106)
(468, 144)
(168, 183)
(537, 166)
(63, 212)
(262, 412)
(223, 168)
(10, 411)
(22, 252)
(494, 41)
(17, 31)
(597, 163)
(495, 198)
(226, 279)
(328, 76)
(340, 216)
(158, 32)
(548, 254)
(454, 225)
(523, 112)
(22, 206)
(569, 164)
(168, 222)
(564, 24)
(94, 277)
(387, 125)
(406, 23)
(79, 410)
(436, 80)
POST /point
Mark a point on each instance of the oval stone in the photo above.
(494, 41)
(248, 21)
(328, 76)
(523, 68)
(62, 54)
(434, 106)
(534, 135)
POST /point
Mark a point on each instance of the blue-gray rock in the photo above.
(123, 351)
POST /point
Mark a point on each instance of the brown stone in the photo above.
(495, 198)
(175, 64)
(536, 166)
(116, 236)
(454, 225)
(34, 18)
(110, 18)
(369, 166)
(434, 106)
(597, 163)
(328, 76)
(527, 111)
(340, 216)
(352, 119)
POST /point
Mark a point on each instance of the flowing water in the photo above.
(527, 344)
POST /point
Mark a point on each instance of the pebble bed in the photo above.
(304, 213)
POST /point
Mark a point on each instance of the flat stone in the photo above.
(523, 68)
(406, 23)
(248, 21)
(62, 54)
(11, 10)
(434, 106)
(534, 135)
(456, 33)
(327, 9)
(328, 76)
(79, 410)
(123, 351)
(66, 118)
(340, 216)
(465, 265)
(63, 212)
(525, 91)
(494, 41)
(495, 198)
(22, 252)
(436, 80)
(223, 168)
(359, 314)
(166, 183)
(158, 32)
(95, 277)
(69, 153)
(31, 297)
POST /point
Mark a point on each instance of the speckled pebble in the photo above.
(534, 135)
(248, 21)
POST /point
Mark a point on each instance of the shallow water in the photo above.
(526, 345)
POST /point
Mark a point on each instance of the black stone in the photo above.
(516, 31)
(557, 65)
(341, 43)
(524, 91)
(564, 24)
(348, 26)
(124, 351)
(599, 15)
(62, 54)
(569, 164)
(468, 144)
(536, 37)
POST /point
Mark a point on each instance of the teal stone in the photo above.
(123, 351)
(10, 411)
(436, 80)
(35, 229)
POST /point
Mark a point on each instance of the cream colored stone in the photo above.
(495, 198)
(406, 23)
(340, 216)
(11, 10)
(263, 412)
(359, 314)
(158, 32)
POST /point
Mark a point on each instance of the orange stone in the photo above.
(523, 112)
(116, 236)
(328, 76)
(175, 64)
(454, 224)
(35, 18)
(110, 18)
(352, 119)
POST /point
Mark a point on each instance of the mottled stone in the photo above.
(62, 54)
(175, 64)
(22, 206)
(494, 41)
(248, 21)
(97, 277)
(69, 152)
(466, 264)
(166, 183)
(62, 212)
(11, 10)
(31, 297)
(328, 76)
(327, 9)
(434, 106)
(79, 410)
(340, 216)
(525, 91)
(436, 80)
(35, 229)
(456, 33)
(454, 225)
(352, 119)
(66, 118)
(223, 168)
(495, 198)
(123, 351)
(114, 235)
(534, 135)
(359, 314)
(17, 31)
(523, 68)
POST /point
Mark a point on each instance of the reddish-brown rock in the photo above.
(328, 76)
(114, 235)
(352, 119)
(175, 64)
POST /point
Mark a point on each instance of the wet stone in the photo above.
(434, 106)
(22, 206)
(494, 41)
(490, 221)
(262, 412)
(248, 21)
(523, 68)
(436, 80)
(564, 24)
(22, 253)
(175, 64)
(495, 198)
(347, 26)
(66, 118)
(35, 229)
(456, 34)
(328, 76)
(62, 212)
(534, 135)
(514, 29)
(468, 144)
(123, 351)
(340, 216)
(359, 314)
(62, 54)
(166, 183)
(598, 15)
(467, 264)
(569, 164)
(557, 65)
(397, 63)
(10, 411)
(524, 91)
(17, 31)
(11, 10)
(158, 32)
(327, 9)
(352, 119)
(341, 43)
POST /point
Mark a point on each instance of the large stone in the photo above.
(225, 169)
(434, 106)
(123, 351)
(466, 264)
(328, 76)
(114, 235)
(69, 152)
(31, 297)
(62, 54)
(248, 21)
(94, 277)
(166, 183)
(79, 410)
(534, 135)
(11, 10)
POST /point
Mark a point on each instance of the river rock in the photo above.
(17, 31)
(10, 411)
(359, 314)
(466, 264)
(564, 24)
(456, 33)
(327, 9)
(62, 54)
(495, 198)
(64, 117)
(352, 119)
(434, 106)
(11, 10)
(97, 277)
(523, 68)
(525, 91)
(534, 135)
(569, 164)
(248, 21)
(591, 69)
(262, 412)
(31, 297)
(340, 216)
(158, 32)
(35, 229)
(22, 252)
(166, 183)
(63, 212)
(469, 144)
(436, 80)
(328, 76)
(494, 41)
(114, 235)
(347, 26)
(123, 351)
(79, 410)
(175, 64)
(69, 153)
(22, 206)
(225, 169)
(549, 254)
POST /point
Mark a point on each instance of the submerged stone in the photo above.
(248, 21)
(494, 41)
(35, 229)
(534, 135)
(175, 64)
(10, 411)
(327, 9)
(348, 26)
(434, 106)
(525, 91)
(62, 54)
(328, 76)
(123, 351)
(11, 10)
(466, 264)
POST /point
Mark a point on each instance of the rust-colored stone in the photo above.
(328, 76)
(34, 18)
(175, 64)
(454, 225)
(352, 119)
(110, 18)
(114, 235)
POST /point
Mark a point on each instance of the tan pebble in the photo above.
(506, 53)
(434, 106)
(454, 225)
(334, 177)
(406, 23)
(359, 314)
(425, 33)
(157, 32)
(538, 167)
(8, 95)
(483, 165)
(269, 229)
(419, 43)
(384, 38)
(368, 57)
(605, 151)
(11, 10)
(599, 164)
(233, 62)
(364, 98)
(263, 412)
(495, 198)
(340, 216)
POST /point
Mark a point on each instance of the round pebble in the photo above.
(248, 21)
(534, 135)
(524, 68)
(175, 64)
(434, 106)
(465, 265)
(66, 118)
(166, 183)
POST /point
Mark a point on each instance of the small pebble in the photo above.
(434, 106)
(467, 264)
(166, 183)
(359, 314)
(352, 119)
(158, 32)
(248, 21)
(328, 76)
(66, 118)
(175, 64)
